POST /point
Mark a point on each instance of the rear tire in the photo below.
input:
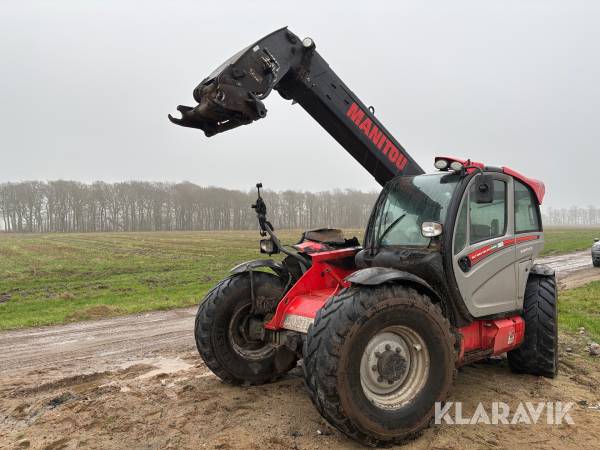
(538, 354)
(222, 333)
(596, 263)
(377, 360)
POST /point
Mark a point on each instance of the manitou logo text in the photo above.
(376, 136)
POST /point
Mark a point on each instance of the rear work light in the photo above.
(445, 164)
(456, 166)
(441, 164)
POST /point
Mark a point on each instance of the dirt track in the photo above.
(569, 262)
(137, 382)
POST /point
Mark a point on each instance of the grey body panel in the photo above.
(496, 284)
(526, 253)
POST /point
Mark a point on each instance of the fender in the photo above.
(542, 269)
(374, 276)
(248, 266)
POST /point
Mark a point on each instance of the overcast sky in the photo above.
(86, 87)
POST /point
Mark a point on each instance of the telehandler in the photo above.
(446, 274)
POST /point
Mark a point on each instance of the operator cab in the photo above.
(468, 231)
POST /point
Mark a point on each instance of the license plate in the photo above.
(297, 323)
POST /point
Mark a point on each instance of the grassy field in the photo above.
(581, 308)
(565, 240)
(57, 278)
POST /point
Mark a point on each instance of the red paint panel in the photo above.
(335, 254)
(537, 186)
(483, 252)
(309, 247)
(315, 286)
(499, 335)
(521, 239)
(307, 305)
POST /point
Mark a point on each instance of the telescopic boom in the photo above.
(233, 95)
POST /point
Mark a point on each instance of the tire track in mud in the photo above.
(102, 344)
(569, 262)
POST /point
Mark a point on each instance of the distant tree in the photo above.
(66, 206)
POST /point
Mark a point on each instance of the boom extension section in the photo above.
(233, 95)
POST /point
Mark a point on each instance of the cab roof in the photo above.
(537, 186)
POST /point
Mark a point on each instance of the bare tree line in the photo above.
(70, 206)
(573, 216)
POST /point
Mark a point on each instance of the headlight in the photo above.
(267, 246)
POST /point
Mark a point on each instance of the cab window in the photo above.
(460, 235)
(488, 220)
(526, 212)
(407, 203)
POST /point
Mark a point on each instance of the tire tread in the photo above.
(203, 327)
(538, 353)
(321, 357)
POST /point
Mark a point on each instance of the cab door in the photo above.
(483, 249)
(529, 239)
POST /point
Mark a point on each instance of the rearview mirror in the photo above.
(484, 189)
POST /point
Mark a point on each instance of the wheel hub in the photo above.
(247, 335)
(391, 365)
(394, 367)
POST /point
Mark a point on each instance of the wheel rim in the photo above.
(394, 367)
(238, 336)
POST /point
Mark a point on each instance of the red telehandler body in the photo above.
(445, 276)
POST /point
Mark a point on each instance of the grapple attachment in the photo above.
(232, 95)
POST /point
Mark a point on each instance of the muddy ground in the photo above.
(138, 382)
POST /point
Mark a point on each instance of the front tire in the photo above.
(538, 354)
(377, 360)
(596, 262)
(224, 325)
